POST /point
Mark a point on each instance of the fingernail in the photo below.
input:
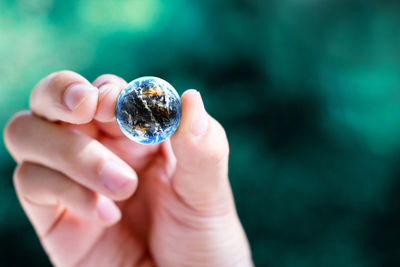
(76, 94)
(107, 210)
(116, 177)
(200, 119)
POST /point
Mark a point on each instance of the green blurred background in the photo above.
(308, 91)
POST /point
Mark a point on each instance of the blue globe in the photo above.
(148, 110)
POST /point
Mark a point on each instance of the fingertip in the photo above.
(194, 123)
(200, 120)
(109, 87)
(119, 180)
(200, 140)
(108, 96)
(195, 119)
(81, 100)
(108, 78)
(64, 96)
(107, 211)
(189, 93)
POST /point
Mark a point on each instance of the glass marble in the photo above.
(148, 110)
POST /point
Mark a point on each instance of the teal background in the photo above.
(307, 90)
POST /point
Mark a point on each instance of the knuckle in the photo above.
(14, 127)
(68, 190)
(21, 174)
(64, 187)
(219, 154)
(60, 80)
(62, 75)
(18, 173)
(73, 149)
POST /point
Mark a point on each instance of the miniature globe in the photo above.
(148, 110)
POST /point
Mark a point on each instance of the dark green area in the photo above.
(308, 92)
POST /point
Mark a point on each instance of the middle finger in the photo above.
(78, 156)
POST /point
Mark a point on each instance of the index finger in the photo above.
(65, 96)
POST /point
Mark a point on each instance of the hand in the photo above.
(95, 198)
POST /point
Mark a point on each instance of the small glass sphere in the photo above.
(148, 110)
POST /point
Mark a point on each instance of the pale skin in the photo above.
(95, 198)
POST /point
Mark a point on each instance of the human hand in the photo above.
(95, 198)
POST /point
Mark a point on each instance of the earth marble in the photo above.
(148, 110)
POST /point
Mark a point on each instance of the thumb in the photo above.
(201, 149)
